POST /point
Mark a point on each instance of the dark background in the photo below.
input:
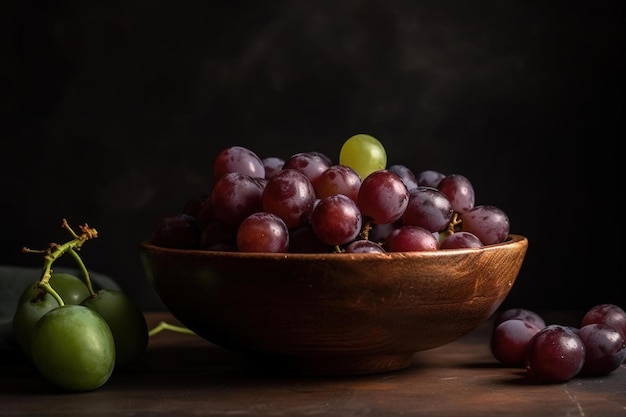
(113, 111)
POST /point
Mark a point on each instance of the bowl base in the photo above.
(330, 365)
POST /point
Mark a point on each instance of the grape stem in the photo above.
(54, 251)
(83, 269)
(163, 325)
(365, 231)
(455, 223)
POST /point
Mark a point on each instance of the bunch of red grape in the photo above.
(306, 203)
(556, 353)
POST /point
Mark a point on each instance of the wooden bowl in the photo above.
(334, 314)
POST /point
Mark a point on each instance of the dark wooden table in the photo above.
(183, 375)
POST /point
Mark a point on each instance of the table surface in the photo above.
(183, 375)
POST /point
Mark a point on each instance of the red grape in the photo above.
(379, 232)
(459, 191)
(555, 354)
(235, 196)
(428, 208)
(610, 314)
(218, 234)
(324, 157)
(336, 220)
(459, 240)
(176, 231)
(605, 349)
(404, 172)
(263, 232)
(195, 203)
(510, 339)
(290, 195)
(411, 238)
(272, 165)
(364, 246)
(310, 164)
(303, 240)
(489, 223)
(238, 159)
(520, 314)
(383, 197)
(338, 179)
(429, 178)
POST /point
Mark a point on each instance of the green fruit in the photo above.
(27, 314)
(70, 288)
(363, 153)
(72, 347)
(126, 320)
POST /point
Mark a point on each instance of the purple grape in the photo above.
(195, 204)
(489, 223)
(176, 231)
(429, 208)
(383, 197)
(410, 239)
(336, 220)
(510, 340)
(218, 234)
(429, 178)
(303, 240)
(238, 159)
(272, 165)
(459, 191)
(263, 232)
(378, 232)
(235, 196)
(404, 172)
(324, 157)
(459, 240)
(364, 246)
(605, 349)
(555, 354)
(290, 195)
(610, 314)
(205, 214)
(524, 314)
(338, 179)
(310, 164)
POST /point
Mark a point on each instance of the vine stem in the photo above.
(48, 288)
(83, 269)
(163, 325)
(55, 251)
(455, 223)
(365, 231)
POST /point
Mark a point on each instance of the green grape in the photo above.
(70, 288)
(26, 316)
(73, 348)
(363, 153)
(126, 320)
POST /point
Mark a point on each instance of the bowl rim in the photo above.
(513, 240)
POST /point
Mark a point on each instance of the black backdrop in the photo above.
(113, 112)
